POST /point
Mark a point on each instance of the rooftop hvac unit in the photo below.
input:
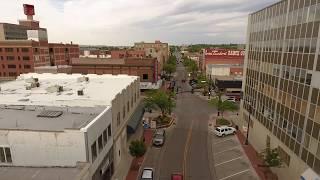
(83, 78)
(60, 88)
(80, 92)
(28, 87)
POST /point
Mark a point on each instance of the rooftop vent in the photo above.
(50, 114)
(83, 79)
(32, 80)
(80, 92)
(55, 88)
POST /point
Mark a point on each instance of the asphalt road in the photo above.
(187, 148)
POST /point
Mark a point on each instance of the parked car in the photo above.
(231, 99)
(147, 174)
(176, 176)
(158, 140)
(224, 130)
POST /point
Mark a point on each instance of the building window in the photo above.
(128, 106)
(124, 112)
(1, 57)
(118, 119)
(100, 144)
(26, 58)
(10, 58)
(26, 66)
(145, 76)
(11, 66)
(5, 155)
(3, 66)
(0, 49)
(8, 49)
(17, 49)
(105, 137)
(308, 79)
(25, 49)
(109, 131)
(94, 151)
(36, 50)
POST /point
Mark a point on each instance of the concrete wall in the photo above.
(120, 129)
(95, 129)
(32, 148)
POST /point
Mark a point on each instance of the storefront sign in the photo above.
(224, 52)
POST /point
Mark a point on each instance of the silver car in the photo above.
(158, 140)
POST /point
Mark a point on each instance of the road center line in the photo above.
(226, 150)
(235, 174)
(228, 161)
(186, 148)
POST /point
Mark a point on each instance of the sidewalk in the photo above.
(136, 163)
(124, 166)
(264, 173)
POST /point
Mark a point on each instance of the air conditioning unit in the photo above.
(28, 87)
(80, 92)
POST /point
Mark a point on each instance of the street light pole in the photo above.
(248, 127)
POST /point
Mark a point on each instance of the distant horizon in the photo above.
(121, 23)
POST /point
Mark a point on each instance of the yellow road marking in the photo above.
(186, 149)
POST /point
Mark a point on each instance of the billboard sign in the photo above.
(28, 9)
(224, 52)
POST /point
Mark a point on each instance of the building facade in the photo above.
(25, 45)
(157, 50)
(65, 122)
(145, 68)
(224, 62)
(117, 54)
(282, 84)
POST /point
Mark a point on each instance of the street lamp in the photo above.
(249, 121)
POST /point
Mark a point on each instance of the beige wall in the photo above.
(257, 137)
(1, 32)
(120, 130)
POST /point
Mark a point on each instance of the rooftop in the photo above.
(61, 90)
(31, 173)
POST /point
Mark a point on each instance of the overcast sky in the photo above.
(123, 22)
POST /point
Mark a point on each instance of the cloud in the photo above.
(122, 22)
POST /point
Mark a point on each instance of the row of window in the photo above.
(5, 155)
(13, 66)
(12, 49)
(133, 100)
(100, 142)
(12, 58)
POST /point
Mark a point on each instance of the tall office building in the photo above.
(282, 85)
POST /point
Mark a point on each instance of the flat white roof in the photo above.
(99, 90)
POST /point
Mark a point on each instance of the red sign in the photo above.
(28, 9)
(224, 52)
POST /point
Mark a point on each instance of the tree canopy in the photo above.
(221, 105)
(137, 148)
(158, 99)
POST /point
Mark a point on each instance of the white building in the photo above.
(62, 125)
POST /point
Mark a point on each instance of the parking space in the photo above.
(230, 162)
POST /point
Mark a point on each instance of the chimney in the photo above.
(71, 42)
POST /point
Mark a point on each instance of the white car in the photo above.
(224, 130)
(147, 174)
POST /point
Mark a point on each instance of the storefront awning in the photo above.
(135, 119)
(309, 174)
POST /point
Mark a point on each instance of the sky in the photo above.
(123, 22)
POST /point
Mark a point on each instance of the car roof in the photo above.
(147, 173)
(177, 177)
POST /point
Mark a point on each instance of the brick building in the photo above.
(145, 68)
(116, 54)
(157, 50)
(223, 62)
(61, 54)
(25, 46)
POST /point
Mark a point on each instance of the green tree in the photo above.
(169, 68)
(137, 148)
(271, 158)
(221, 105)
(158, 99)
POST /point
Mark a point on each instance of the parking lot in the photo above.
(229, 160)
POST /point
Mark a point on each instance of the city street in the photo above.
(186, 149)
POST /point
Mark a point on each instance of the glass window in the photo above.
(94, 151)
(100, 144)
(308, 79)
(2, 156)
(109, 131)
(8, 155)
(105, 137)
